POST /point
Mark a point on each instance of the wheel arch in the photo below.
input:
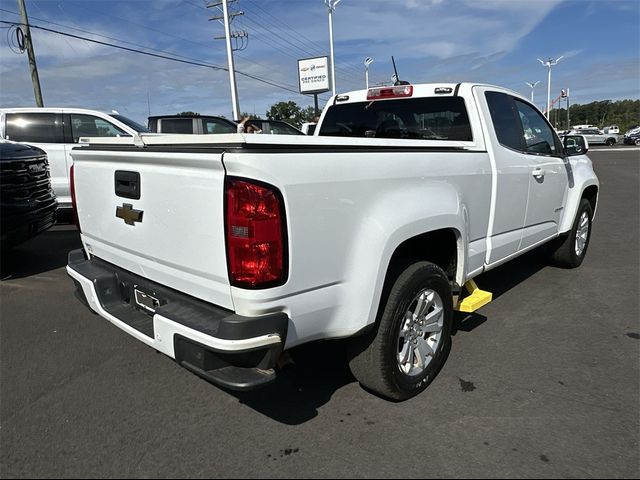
(591, 194)
(586, 186)
(443, 247)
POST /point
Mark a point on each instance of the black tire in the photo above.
(637, 141)
(373, 357)
(610, 142)
(563, 249)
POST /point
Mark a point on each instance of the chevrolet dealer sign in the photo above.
(313, 75)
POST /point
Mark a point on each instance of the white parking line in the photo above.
(623, 149)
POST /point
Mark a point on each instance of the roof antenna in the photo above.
(396, 78)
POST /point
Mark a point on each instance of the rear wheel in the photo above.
(413, 336)
(569, 250)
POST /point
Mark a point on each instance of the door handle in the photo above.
(538, 173)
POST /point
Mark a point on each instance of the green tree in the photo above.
(624, 113)
(309, 114)
(289, 112)
(292, 113)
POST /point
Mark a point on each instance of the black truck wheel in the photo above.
(569, 250)
(412, 338)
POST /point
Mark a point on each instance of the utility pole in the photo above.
(31, 54)
(332, 6)
(228, 34)
(549, 63)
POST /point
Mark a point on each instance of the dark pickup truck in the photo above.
(27, 202)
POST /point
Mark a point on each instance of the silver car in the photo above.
(596, 137)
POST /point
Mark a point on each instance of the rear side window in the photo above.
(35, 127)
(433, 118)
(91, 126)
(211, 125)
(505, 120)
(176, 125)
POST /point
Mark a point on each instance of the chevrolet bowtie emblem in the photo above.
(128, 214)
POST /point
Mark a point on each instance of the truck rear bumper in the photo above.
(229, 350)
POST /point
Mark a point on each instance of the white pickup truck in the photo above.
(223, 252)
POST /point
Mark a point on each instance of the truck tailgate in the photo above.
(179, 238)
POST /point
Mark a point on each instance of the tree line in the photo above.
(623, 113)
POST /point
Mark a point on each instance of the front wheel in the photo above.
(412, 338)
(569, 250)
(610, 142)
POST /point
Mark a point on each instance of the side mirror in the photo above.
(575, 145)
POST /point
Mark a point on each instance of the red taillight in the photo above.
(74, 205)
(255, 233)
(390, 92)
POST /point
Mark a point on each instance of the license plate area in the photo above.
(145, 300)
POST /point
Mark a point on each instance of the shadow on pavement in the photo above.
(501, 280)
(514, 272)
(320, 370)
(48, 251)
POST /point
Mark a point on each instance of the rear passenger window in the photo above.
(90, 126)
(433, 118)
(505, 120)
(35, 127)
(176, 125)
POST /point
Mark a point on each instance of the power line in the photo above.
(291, 46)
(299, 35)
(282, 45)
(190, 60)
(288, 46)
(156, 55)
(240, 55)
(103, 36)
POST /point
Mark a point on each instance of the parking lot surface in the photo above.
(543, 382)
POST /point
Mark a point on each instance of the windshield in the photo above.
(130, 123)
(433, 118)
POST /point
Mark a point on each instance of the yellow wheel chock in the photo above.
(477, 298)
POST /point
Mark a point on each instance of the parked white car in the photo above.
(57, 131)
(596, 137)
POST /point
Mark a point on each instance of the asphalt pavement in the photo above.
(543, 382)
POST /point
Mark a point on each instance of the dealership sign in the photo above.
(313, 75)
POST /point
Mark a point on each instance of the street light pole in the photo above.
(549, 63)
(332, 6)
(532, 86)
(367, 61)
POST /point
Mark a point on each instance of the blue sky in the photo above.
(492, 41)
